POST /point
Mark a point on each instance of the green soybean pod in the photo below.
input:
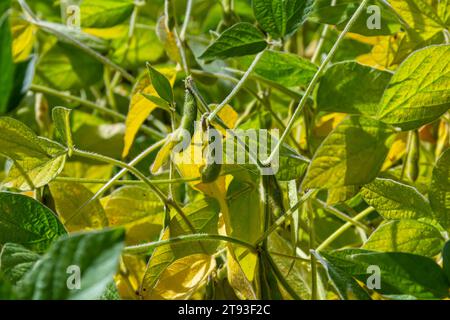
(412, 162)
(189, 113)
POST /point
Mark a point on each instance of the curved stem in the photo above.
(139, 175)
(145, 248)
(344, 228)
(187, 17)
(237, 87)
(316, 78)
(124, 182)
(342, 215)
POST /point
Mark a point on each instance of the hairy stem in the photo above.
(342, 229)
(237, 88)
(316, 78)
(145, 248)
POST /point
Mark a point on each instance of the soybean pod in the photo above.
(412, 161)
(189, 113)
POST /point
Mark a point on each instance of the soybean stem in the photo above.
(316, 78)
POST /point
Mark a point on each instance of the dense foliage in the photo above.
(96, 202)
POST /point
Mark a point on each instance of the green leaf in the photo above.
(346, 286)
(96, 254)
(61, 119)
(16, 261)
(31, 173)
(281, 18)
(70, 202)
(64, 67)
(245, 210)
(446, 259)
(343, 10)
(23, 78)
(418, 92)
(132, 203)
(297, 276)
(401, 273)
(350, 87)
(6, 58)
(161, 84)
(204, 216)
(37, 160)
(394, 200)
(287, 69)
(239, 40)
(408, 236)
(143, 47)
(352, 154)
(67, 35)
(105, 13)
(25, 221)
(439, 193)
(419, 15)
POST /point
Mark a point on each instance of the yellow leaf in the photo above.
(115, 32)
(228, 116)
(69, 201)
(141, 108)
(327, 123)
(168, 40)
(23, 35)
(163, 155)
(84, 170)
(397, 151)
(183, 277)
(238, 280)
(383, 53)
(129, 279)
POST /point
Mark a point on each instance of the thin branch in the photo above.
(316, 78)
(147, 247)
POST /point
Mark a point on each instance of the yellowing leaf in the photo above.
(183, 277)
(396, 152)
(163, 155)
(141, 108)
(69, 201)
(129, 280)
(228, 116)
(238, 280)
(115, 32)
(383, 53)
(168, 40)
(420, 15)
(23, 35)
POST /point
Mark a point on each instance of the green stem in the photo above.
(91, 105)
(342, 215)
(312, 240)
(145, 248)
(187, 17)
(139, 175)
(315, 79)
(343, 229)
(237, 88)
(285, 216)
(124, 182)
(322, 39)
